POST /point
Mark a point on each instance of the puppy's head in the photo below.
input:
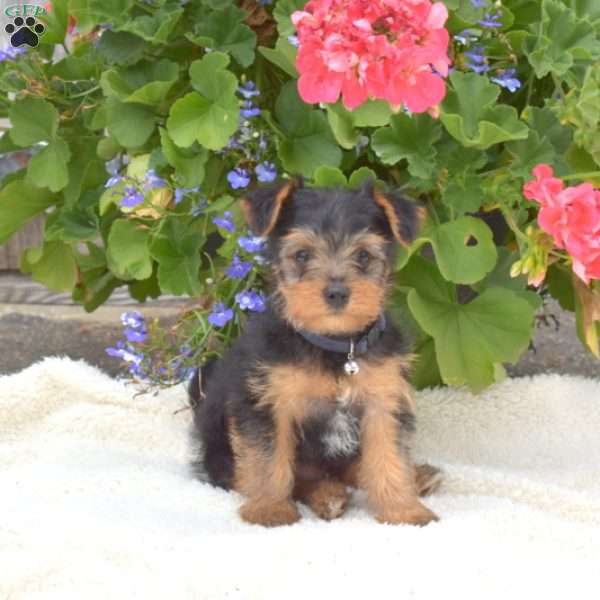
(331, 251)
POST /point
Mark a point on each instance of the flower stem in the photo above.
(581, 175)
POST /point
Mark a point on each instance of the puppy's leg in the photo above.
(386, 473)
(428, 479)
(327, 498)
(264, 475)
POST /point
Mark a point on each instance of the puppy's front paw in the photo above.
(270, 514)
(415, 514)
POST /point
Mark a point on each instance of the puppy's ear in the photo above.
(404, 217)
(262, 206)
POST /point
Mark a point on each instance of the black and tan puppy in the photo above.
(313, 396)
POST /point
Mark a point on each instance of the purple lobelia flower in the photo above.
(491, 21)
(133, 319)
(132, 197)
(238, 269)
(152, 181)
(248, 90)
(220, 315)
(135, 335)
(249, 300)
(266, 172)
(249, 109)
(225, 222)
(252, 243)
(507, 80)
(238, 178)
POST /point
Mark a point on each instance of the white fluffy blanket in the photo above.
(96, 501)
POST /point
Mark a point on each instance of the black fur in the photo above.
(269, 339)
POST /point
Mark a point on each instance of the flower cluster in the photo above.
(134, 192)
(475, 52)
(395, 50)
(571, 215)
(143, 362)
(250, 142)
(10, 53)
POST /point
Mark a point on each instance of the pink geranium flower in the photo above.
(395, 50)
(571, 216)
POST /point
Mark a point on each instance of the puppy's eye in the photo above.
(363, 257)
(302, 256)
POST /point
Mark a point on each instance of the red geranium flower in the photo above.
(571, 216)
(395, 50)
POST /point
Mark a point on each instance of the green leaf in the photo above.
(19, 203)
(224, 30)
(308, 141)
(411, 138)
(128, 254)
(472, 116)
(146, 83)
(52, 265)
(581, 109)
(177, 250)
(373, 113)
(90, 13)
(329, 177)
(94, 288)
(283, 55)
(463, 193)
(156, 28)
(56, 21)
(188, 166)
(130, 124)
(560, 38)
(560, 285)
(358, 177)
(49, 168)
(470, 339)
(529, 153)
(211, 116)
(464, 249)
(75, 224)
(33, 120)
(121, 47)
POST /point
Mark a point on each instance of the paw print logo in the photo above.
(25, 31)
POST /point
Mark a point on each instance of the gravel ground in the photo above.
(30, 332)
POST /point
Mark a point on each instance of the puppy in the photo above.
(313, 397)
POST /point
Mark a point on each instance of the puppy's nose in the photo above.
(337, 295)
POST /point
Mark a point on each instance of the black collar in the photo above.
(343, 345)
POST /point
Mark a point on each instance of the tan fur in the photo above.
(382, 200)
(327, 498)
(294, 392)
(282, 195)
(303, 303)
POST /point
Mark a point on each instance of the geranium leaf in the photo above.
(308, 141)
(128, 254)
(472, 116)
(411, 138)
(471, 339)
(33, 120)
(49, 168)
(560, 37)
(209, 117)
(225, 31)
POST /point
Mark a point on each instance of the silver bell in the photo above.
(351, 366)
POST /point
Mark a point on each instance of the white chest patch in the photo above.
(342, 437)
